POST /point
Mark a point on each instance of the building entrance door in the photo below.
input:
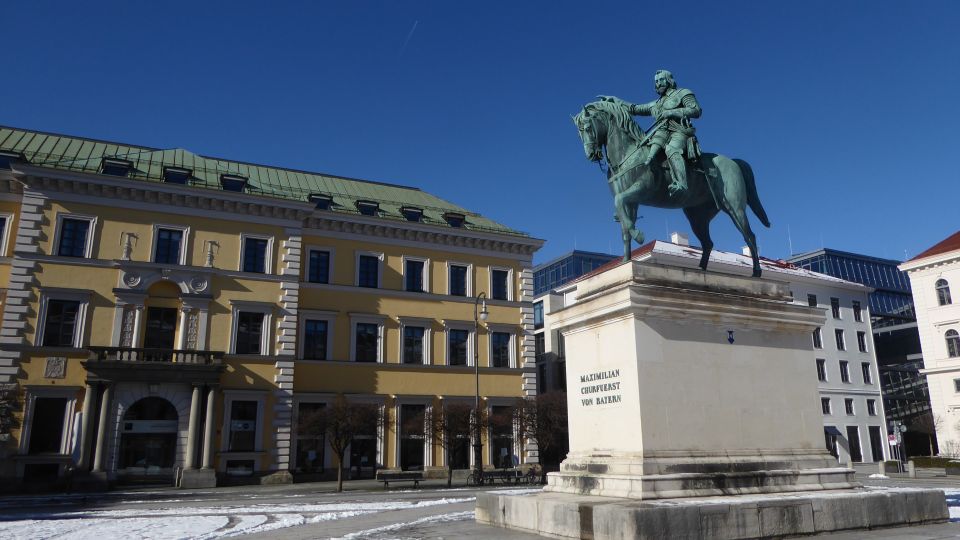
(876, 443)
(161, 328)
(148, 440)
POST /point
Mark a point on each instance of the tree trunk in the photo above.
(339, 472)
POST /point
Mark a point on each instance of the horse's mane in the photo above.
(620, 115)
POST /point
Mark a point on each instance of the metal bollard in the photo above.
(883, 467)
(911, 469)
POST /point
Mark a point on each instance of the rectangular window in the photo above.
(841, 344)
(956, 385)
(413, 344)
(458, 280)
(821, 369)
(844, 371)
(412, 436)
(848, 406)
(857, 311)
(46, 435)
(500, 349)
(501, 432)
(538, 315)
(255, 255)
(835, 307)
(862, 341)
(413, 275)
(457, 347)
(499, 284)
(319, 269)
(872, 407)
(249, 333)
(865, 369)
(853, 437)
(315, 334)
(876, 443)
(812, 300)
(825, 405)
(366, 342)
(73, 237)
(539, 344)
(818, 339)
(243, 426)
(368, 271)
(61, 323)
(168, 246)
(160, 328)
(310, 446)
(3, 235)
(831, 441)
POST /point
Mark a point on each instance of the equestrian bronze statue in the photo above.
(644, 168)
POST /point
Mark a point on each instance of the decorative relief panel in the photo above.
(193, 328)
(126, 328)
(56, 367)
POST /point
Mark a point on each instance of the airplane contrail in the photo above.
(409, 35)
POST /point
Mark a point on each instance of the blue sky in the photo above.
(846, 110)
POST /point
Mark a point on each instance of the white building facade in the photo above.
(935, 280)
(842, 359)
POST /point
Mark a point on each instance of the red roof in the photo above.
(952, 243)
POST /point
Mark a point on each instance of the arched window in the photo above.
(943, 292)
(953, 343)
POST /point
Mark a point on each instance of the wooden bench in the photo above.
(386, 478)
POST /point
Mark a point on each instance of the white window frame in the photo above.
(839, 316)
(427, 439)
(510, 283)
(469, 267)
(229, 396)
(512, 344)
(853, 406)
(369, 318)
(299, 399)
(185, 229)
(69, 415)
(332, 252)
(8, 220)
(63, 294)
(356, 266)
(839, 333)
(829, 402)
(236, 307)
(822, 362)
(471, 335)
(866, 345)
(315, 315)
(859, 445)
(91, 232)
(425, 273)
(517, 446)
(268, 256)
(427, 325)
(874, 411)
(849, 379)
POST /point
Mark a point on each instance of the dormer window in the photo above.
(368, 208)
(454, 219)
(115, 167)
(7, 157)
(411, 213)
(322, 202)
(233, 182)
(176, 175)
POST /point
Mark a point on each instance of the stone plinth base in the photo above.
(198, 478)
(703, 518)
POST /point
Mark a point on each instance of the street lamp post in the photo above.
(481, 315)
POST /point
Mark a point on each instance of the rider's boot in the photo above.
(652, 154)
(678, 170)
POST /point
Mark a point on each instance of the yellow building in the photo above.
(167, 316)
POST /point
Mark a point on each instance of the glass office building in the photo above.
(563, 270)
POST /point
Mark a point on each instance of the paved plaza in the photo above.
(306, 511)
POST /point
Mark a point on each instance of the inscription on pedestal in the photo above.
(600, 388)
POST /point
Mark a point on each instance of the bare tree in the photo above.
(451, 426)
(9, 405)
(544, 419)
(340, 423)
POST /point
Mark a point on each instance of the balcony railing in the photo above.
(167, 356)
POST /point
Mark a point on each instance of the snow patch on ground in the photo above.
(880, 476)
(524, 491)
(442, 518)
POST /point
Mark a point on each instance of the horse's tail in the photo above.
(753, 199)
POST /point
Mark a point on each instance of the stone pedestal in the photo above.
(684, 384)
(198, 478)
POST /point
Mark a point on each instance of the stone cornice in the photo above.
(428, 234)
(940, 259)
(93, 185)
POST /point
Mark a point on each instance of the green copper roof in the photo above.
(85, 155)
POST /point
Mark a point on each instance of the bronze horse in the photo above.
(715, 182)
